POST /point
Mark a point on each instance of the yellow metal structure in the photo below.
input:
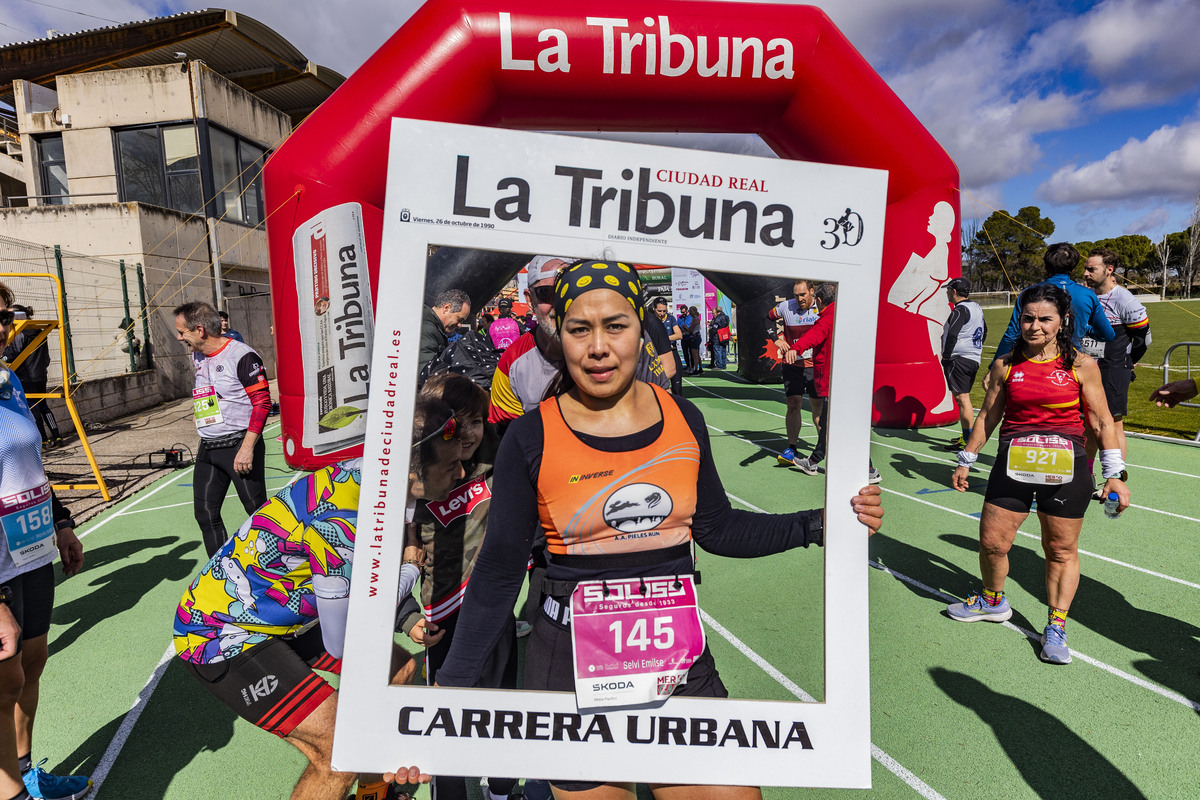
(43, 328)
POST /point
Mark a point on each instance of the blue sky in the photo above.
(1089, 110)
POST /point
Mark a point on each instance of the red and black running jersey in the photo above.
(593, 503)
(236, 373)
(1042, 397)
(796, 323)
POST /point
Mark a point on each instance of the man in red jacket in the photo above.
(820, 338)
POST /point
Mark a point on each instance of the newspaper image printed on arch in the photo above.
(336, 326)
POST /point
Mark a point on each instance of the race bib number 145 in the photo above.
(634, 640)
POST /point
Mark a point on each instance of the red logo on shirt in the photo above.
(462, 501)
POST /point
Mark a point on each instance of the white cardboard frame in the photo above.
(380, 727)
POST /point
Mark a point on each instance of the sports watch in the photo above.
(6, 595)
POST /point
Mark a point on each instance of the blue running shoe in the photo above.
(976, 609)
(1054, 646)
(42, 784)
(787, 457)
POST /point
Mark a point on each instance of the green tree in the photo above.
(1006, 253)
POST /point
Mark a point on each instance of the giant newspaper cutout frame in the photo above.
(513, 191)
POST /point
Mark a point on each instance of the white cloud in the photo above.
(1151, 224)
(1142, 52)
(987, 126)
(1165, 164)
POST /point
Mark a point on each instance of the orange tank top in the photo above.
(592, 502)
(1041, 396)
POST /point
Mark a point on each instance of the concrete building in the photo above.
(145, 143)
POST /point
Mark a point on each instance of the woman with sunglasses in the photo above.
(650, 489)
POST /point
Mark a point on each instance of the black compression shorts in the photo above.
(272, 685)
(798, 380)
(1067, 500)
(960, 374)
(549, 661)
(33, 602)
(1116, 389)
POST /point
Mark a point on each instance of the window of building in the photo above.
(53, 168)
(161, 165)
(237, 177)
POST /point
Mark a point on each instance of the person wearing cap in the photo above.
(962, 350)
(654, 452)
(505, 330)
(532, 360)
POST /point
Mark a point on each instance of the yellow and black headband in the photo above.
(584, 276)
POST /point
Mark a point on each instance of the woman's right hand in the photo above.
(407, 775)
(959, 481)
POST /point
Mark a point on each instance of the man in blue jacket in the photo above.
(1087, 315)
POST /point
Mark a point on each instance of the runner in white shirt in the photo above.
(1117, 358)
(34, 528)
(231, 401)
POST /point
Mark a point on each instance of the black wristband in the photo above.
(6, 595)
(815, 529)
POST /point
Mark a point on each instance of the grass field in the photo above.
(958, 711)
(1170, 322)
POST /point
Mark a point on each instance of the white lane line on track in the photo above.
(1033, 536)
(883, 758)
(122, 511)
(955, 463)
(139, 704)
(131, 717)
(290, 481)
(889, 763)
(875, 440)
(1038, 538)
(937, 593)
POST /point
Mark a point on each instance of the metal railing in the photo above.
(1167, 369)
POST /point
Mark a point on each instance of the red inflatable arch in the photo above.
(780, 71)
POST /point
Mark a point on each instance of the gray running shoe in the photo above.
(1054, 646)
(976, 609)
(807, 466)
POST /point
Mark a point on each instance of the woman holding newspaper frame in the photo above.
(597, 413)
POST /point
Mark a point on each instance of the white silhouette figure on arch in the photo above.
(918, 287)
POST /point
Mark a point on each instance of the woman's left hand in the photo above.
(1117, 485)
(868, 505)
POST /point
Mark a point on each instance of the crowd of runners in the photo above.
(493, 502)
